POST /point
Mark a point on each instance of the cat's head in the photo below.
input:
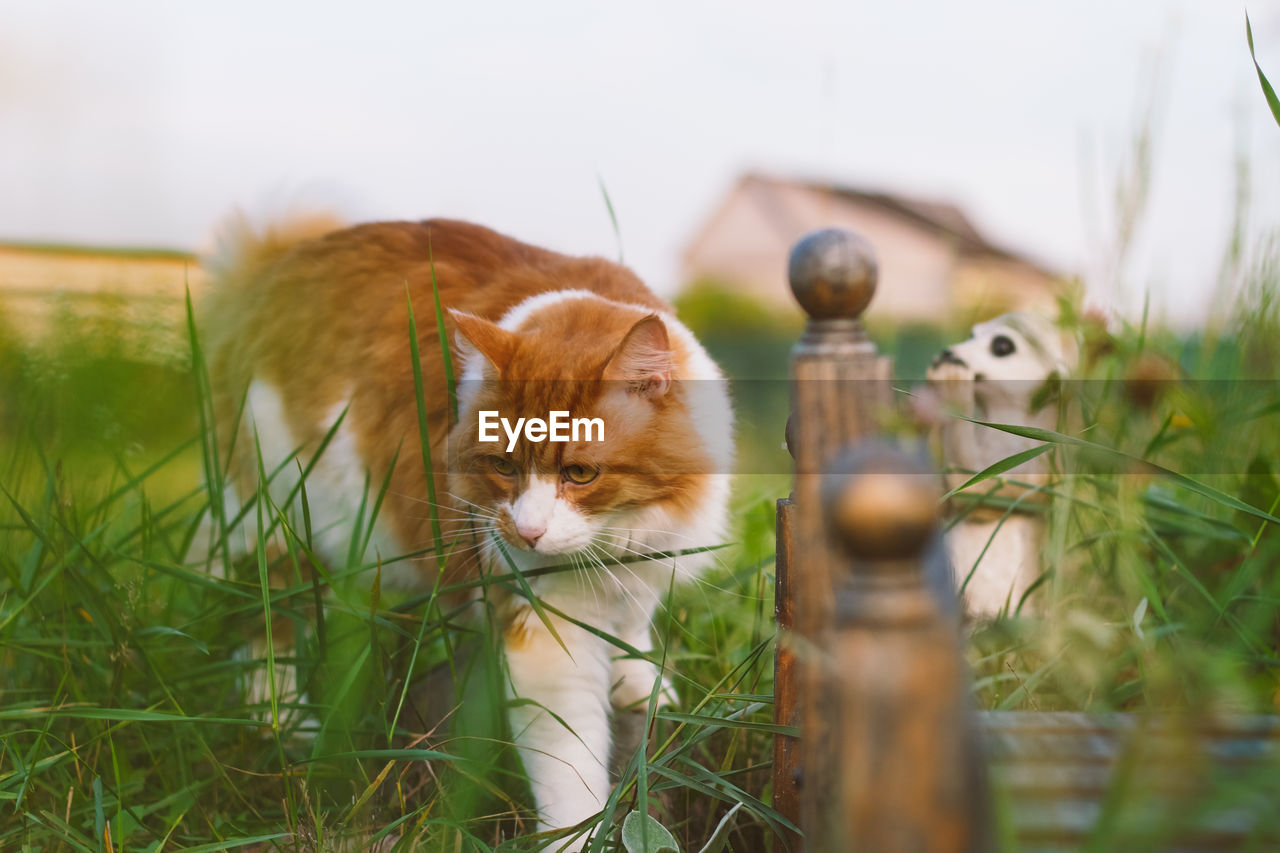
(622, 446)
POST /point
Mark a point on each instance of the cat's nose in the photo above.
(531, 533)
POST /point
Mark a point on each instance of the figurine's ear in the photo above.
(493, 342)
(643, 359)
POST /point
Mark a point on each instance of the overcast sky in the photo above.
(143, 123)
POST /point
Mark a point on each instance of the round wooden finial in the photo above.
(881, 504)
(833, 274)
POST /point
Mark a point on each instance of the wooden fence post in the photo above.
(910, 774)
(868, 662)
(835, 398)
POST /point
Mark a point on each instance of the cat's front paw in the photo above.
(633, 682)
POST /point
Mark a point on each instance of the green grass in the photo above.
(123, 715)
(1163, 535)
(123, 671)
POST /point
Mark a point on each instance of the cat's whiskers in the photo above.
(659, 604)
(460, 551)
(698, 580)
(591, 550)
(595, 581)
(647, 556)
(468, 510)
(477, 535)
(480, 525)
(585, 578)
(468, 525)
(601, 571)
(476, 508)
(578, 573)
(631, 529)
(580, 576)
(627, 566)
(457, 513)
(694, 542)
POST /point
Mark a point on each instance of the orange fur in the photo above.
(321, 325)
(324, 320)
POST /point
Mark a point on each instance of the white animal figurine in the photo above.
(1005, 373)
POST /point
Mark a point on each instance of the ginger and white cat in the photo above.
(303, 328)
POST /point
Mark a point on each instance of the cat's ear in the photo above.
(494, 343)
(643, 359)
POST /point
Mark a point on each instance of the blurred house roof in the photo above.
(933, 260)
(940, 217)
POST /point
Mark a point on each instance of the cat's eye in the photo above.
(1002, 345)
(502, 467)
(579, 474)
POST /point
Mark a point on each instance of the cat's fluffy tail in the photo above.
(242, 248)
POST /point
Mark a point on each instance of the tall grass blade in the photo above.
(1183, 480)
(128, 715)
(266, 480)
(260, 552)
(1270, 93)
(1000, 467)
(540, 608)
(446, 357)
(413, 658)
(613, 217)
(389, 755)
(99, 813)
(424, 437)
(213, 474)
(377, 505)
(720, 837)
(234, 843)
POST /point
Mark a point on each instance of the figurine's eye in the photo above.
(502, 467)
(579, 474)
(1002, 345)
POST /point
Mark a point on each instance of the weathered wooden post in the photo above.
(869, 664)
(836, 394)
(909, 770)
